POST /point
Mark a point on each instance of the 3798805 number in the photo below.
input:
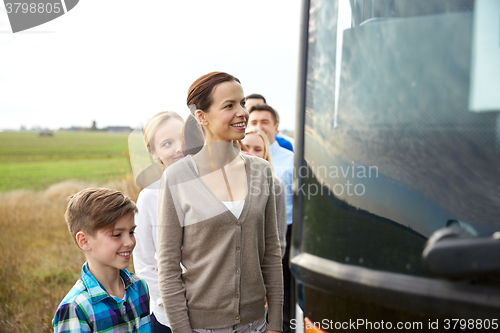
(33, 7)
(471, 324)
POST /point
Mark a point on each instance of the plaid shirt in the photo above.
(89, 308)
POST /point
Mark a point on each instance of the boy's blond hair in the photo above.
(93, 209)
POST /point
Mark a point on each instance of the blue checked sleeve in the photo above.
(70, 318)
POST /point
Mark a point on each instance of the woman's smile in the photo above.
(239, 126)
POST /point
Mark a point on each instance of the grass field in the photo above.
(40, 262)
(29, 161)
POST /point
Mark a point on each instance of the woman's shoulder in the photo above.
(259, 167)
(179, 170)
(256, 162)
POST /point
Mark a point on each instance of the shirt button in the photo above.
(237, 318)
(237, 272)
(237, 296)
(238, 224)
(238, 248)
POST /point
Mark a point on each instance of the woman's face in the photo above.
(227, 117)
(255, 144)
(167, 142)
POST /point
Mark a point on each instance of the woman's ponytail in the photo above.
(193, 138)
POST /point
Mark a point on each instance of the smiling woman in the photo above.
(217, 217)
(223, 94)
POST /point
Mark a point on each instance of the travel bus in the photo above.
(397, 166)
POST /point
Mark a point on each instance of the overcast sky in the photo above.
(119, 62)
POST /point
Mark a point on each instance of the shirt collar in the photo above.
(95, 289)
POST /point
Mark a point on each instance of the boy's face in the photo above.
(112, 248)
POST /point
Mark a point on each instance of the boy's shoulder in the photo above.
(138, 283)
(76, 293)
(73, 309)
(79, 300)
(82, 306)
(88, 291)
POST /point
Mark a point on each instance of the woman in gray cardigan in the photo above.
(217, 217)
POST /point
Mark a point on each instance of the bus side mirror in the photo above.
(455, 253)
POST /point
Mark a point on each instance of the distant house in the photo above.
(118, 129)
(45, 132)
(74, 129)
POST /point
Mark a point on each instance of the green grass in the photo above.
(28, 161)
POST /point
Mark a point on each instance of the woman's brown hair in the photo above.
(200, 98)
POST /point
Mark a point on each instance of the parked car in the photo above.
(397, 184)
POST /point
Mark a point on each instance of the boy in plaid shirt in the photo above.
(106, 298)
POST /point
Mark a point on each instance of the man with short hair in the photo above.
(254, 99)
(264, 117)
(283, 140)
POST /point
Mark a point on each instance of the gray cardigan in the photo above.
(279, 190)
(231, 264)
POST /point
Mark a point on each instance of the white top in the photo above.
(235, 207)
(145, 263)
